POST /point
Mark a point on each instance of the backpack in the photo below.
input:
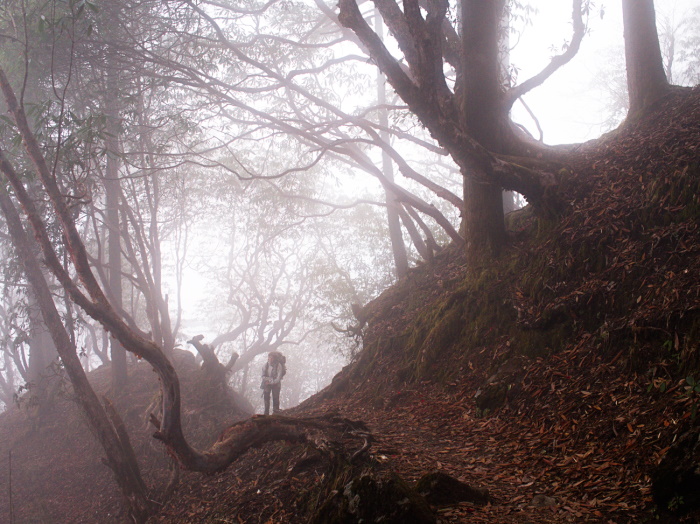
(279, 358)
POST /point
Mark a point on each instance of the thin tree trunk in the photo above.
(114, 253)
(118, 451)
(42, 353)
(8, 381)
(398, 247)
(231, 445)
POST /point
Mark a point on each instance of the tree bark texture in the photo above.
(481, 84)
(484, 223)
(646, 80)
(485, 119)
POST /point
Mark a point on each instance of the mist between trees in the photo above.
(244, 171)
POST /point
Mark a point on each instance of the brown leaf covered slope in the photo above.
(553, 376)
(588, 328)
(579, 339)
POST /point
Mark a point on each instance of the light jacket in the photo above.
(273, 373)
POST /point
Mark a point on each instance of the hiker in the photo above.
(272, 373)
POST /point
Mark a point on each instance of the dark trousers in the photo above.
(275, 390)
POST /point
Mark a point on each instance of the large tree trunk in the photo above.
(425, 89)
(484, 227)
(484, 117)
(646, 80)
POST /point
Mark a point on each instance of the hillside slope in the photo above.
(53, 467)
(556, 377)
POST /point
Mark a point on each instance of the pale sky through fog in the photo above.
(571, 104)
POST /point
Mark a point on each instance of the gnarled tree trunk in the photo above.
(472, 123)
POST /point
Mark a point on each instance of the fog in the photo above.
(242, 220)
(580, 102)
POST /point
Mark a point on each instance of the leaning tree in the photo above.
(467, 116)
(85, 291)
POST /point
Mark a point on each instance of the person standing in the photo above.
(272, 373)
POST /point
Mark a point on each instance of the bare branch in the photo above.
(555, 63)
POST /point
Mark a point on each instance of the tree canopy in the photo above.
(292, 155)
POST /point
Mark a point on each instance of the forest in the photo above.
(489, 313)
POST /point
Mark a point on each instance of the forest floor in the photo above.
(582, 425)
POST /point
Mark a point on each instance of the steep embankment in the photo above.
(559, 370)
(556, 377)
